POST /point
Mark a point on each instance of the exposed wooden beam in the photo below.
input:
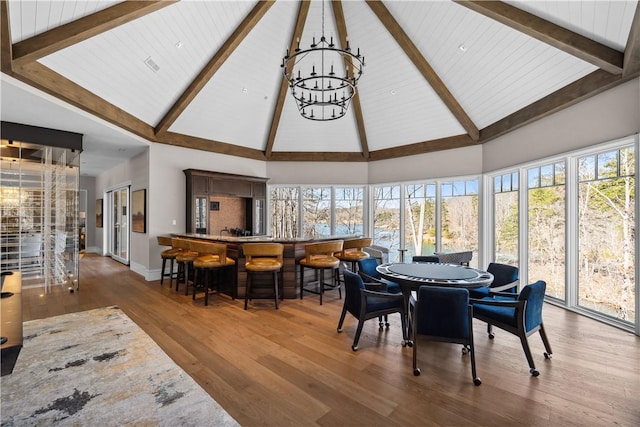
(186, 141)
(573, 43)
(341, 27)
(586, 87)
(410, 49)
(5, 39)
(312, 156)
(245, 27)
(66, 35)
(43, 78)
(632, 50)
(457, 141)
(303, 11)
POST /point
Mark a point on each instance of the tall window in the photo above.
(606, 217)
(506, 214)
(316, 212)
(420, 219)
(284, 212)
(546, 209)
(349, 210)
(386, 219)
(459, 212)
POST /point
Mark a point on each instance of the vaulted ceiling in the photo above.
(207, 75)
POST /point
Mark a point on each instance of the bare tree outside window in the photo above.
(606, 278)
(349, 211)
(284, 212)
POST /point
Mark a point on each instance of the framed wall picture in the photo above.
(99, 213)
(139, 211)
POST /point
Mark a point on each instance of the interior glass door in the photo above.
(119, 224)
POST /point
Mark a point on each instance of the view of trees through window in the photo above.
(594, 205)
(606, 205)
(460, 218)
(386, 219)
(284, 212)
(506, 217)
(546, 213)
(420, 219)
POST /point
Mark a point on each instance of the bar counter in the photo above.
(294, 250)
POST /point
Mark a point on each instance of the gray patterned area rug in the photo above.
(98, 368)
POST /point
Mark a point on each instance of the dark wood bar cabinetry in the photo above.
(219, 203)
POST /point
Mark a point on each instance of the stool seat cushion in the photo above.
(187, 256)
(263, 264)
(170, 253)
(320, 261)
(211, 261)
(352, 255)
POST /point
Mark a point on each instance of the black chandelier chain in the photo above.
(320, 92)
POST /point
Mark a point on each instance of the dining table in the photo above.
(411, 276)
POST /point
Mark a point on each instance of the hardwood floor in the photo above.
(291, 367)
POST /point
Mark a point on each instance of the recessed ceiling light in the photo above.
(462, 47)
(178, 44)
(393, 92)
(244, 90)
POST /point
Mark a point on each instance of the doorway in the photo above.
(118, 214)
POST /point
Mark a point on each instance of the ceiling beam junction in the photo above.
(212, 67)
(303, 11)
(414, 54)
(66, 35)
(341, 27)
(554, 35)
(632, 50)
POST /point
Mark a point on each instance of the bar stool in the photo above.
(320, 256)
(185, 259)
(262, 258)
(167, 254)
(212, 258)
(352, 251)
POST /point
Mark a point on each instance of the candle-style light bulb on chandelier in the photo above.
(323, 78)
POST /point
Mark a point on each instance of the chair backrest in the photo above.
(358, 244)
(425, 258)
(368, 266)
(164, 241)
(533, 294)
(443, 312)
(503, 274)
(180, 243)
(322, 248)
(271, 250)
(210, 248)
(352, 286)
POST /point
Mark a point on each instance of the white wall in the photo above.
(329, 173)
(448, 163)
(605, 117)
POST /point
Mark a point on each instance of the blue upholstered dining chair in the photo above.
(365, 304)
(443, 314)
(519, 314)
(505, 279)
(425, 258)
(367, 270)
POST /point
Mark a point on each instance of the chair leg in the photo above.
(416, 370)
(247, 290)
(321, 284)
(164, 266)
(195, 282)
(545, 341)
(301, 280)
(339, 285)
(171, 273)
(179, 275)
(527, 353)
(186, 278)
(356, 338)
(275, 287)
(342, 316)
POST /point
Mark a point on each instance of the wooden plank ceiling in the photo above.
(206, 75)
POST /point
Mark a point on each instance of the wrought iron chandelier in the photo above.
(321, 93)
